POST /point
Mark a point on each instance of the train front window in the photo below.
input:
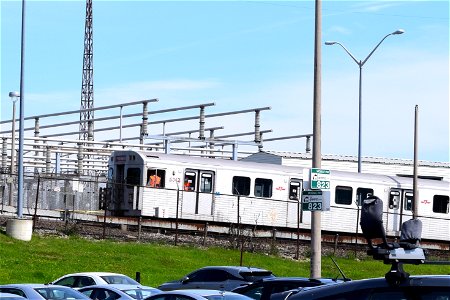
(344, 195)
(263, 187)
(133, 176)
(440, 204)
(241, 186)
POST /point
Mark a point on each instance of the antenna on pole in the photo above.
(87, 85)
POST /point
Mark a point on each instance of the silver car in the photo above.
(9, 296)
(119, 292)
(198, 295)
(42, 291)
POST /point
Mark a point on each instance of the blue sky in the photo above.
(243, 55)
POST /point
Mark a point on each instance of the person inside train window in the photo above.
(188, 185)
(154, 180)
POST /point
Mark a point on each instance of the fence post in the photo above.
(139, 228)
(138, 277)
(205, 233)
(176, 216)
(297, 253)
(336, 238)
(36, 203)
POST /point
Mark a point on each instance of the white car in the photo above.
(79, 280)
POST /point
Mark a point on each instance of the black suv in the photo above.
(263, 289)
(424, 287)
(217, 278)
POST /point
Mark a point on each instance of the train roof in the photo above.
(263, 167)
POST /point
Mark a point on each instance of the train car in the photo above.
(151, 184)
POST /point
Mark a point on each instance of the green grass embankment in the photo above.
(44, 259)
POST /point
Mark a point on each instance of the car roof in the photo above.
(120, 286)
(201, 292)
(294, 279)
(93, 273)
(235, 268)
(32, 285)
(416, 280)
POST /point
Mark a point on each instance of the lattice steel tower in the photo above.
(87, 86)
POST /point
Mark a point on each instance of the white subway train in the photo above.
(151, 184)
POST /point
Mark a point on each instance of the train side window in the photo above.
(394, 199)
(206, 183)
(190, 179)
(409, 198)
(156, 178)
(440, 204)
(343, 195)
(241, 186)
(363, 193)
(263, 187)
(133, 176)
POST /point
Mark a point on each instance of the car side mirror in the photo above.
(185, 280)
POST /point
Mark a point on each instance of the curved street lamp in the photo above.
(360, 64)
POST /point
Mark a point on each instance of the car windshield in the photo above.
(55, 293)
(141, 293)
(118, 279)
(254, 276)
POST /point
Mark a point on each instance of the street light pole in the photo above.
(360, 65)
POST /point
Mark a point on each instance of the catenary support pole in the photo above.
(21, 114)
(316, 235)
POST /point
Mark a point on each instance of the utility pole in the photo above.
(316, 217)
(87, 85)
(415, 169)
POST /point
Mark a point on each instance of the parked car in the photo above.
(198, 294)
(9, 296)
(429, 287)
(217, 278)
(118, 291)
(42, 291)
(78, 280)
(264, 288)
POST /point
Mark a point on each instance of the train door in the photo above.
(295, 213)
(133, 182)
(117, 179)
(198, 192)
(399, 209)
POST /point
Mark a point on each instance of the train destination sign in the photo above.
(320, 179)
(312, 200)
